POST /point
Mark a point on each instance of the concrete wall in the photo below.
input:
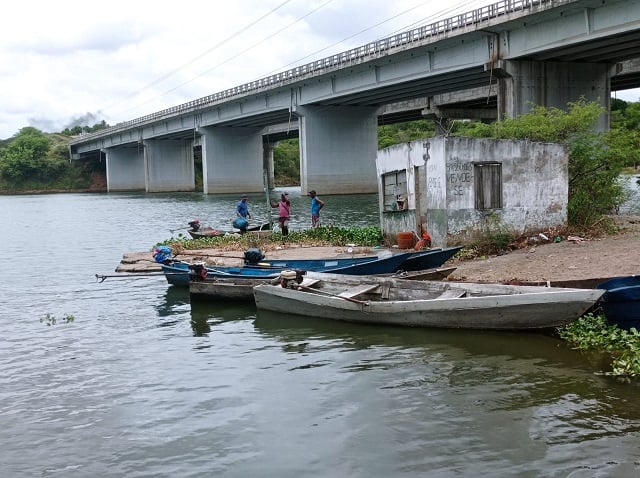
(338, 148)
(534, 187)
(552, 84)
(125, 169)
(169, 165)
(232, 160)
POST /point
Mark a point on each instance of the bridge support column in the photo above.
(338, 148)
(125, 169)
(232, 159)
(169, 165)
(551, 84)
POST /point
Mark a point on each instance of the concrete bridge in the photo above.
(490, 63)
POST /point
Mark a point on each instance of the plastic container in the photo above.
(406, 239)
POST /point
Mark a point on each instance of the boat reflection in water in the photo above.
(204, 315)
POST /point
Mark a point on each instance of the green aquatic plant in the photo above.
(324, 235)
(592, 332)
(51, 319)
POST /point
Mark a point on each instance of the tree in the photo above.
(25, 156)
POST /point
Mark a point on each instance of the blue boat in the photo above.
(432, 259)
(411, 261)
(621, 301)
(177, 272)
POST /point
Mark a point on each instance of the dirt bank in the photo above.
(567, 260)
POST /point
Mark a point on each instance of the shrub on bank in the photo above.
(593, 333)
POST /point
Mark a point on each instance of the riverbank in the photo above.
(567, 260)
(578, 259)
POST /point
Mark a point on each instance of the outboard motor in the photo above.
(195, 224)
(253, 256)
(197, 271)
(291, 279)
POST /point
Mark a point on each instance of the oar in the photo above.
(179, 229)
(102, 278)
(311, 289)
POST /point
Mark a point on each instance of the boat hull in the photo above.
(501, 308)
(350, 266)
(621, 301)
(238, 289)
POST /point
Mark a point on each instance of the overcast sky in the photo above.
(65, 63)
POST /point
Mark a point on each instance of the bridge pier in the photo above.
(338, 148)
(125, 169)
(232, 159)
(551, 84)
(169, 165)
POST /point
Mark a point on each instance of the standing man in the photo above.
(316, 205)
(242, 211)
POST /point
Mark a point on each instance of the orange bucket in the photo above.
(406, 240)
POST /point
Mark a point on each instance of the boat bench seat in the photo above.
(309, 282)
(361, 289)
(452, 294)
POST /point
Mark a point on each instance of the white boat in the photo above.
(412, 303)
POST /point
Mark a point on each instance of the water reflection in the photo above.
(207, 314)
(507, 371)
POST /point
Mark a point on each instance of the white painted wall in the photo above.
(534, 186)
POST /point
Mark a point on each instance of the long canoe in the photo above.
(429, 303)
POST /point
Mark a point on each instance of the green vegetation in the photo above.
(286, 162)
(33, 160)
(51, 319)
(592, 333)
(321, 236)
(399, 133)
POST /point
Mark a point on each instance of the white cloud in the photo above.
(68, 61)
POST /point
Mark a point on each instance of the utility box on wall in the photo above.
(467, 186)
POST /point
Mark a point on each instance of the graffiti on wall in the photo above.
(459, 175)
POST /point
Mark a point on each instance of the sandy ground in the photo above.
(609, 256)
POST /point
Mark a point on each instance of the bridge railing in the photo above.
(359, 54)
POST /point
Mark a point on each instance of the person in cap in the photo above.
(316, 205)
(284, 212)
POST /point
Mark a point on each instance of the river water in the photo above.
(144, 384)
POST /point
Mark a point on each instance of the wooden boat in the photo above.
(178, 272)
(621, 301)
(428, 303)
(200, 232)
(241, 288)
(205, 232)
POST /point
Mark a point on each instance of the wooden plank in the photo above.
(452, 294)
(361, 289)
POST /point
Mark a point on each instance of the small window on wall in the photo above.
(394, 186)
(488, 185)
